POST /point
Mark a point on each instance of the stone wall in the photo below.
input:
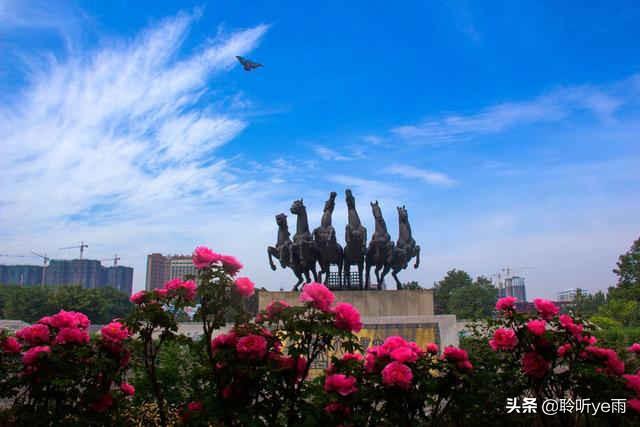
(369, 303)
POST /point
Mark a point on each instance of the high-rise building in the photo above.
(570, 295)
(87, 273)
(513, 287)
(157, 271)
(161, 268)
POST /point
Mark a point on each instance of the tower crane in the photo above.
(82, 246)
(115, 259)
(45, 261)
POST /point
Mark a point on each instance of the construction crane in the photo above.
(82, 246)
(115, 259)
(45, 261)
(16, 256)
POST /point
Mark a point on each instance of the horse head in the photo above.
(403, 216)
(375, 209)
(331, 203)
(281, 220)
(297, 207)
(351, 201)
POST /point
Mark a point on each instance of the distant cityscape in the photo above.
(88, 273)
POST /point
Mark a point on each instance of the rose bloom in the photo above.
(175, 286)
(633, 382)
(403, 355)
(391, 343)
(195, 406)
(114, 332)
(634, 404)
(230, 264)
(635, 348)
(138, 297)
(506, 303)
(564, 349)
(567, 322)
(337, 408)
(536, 326)
(72, 336)
(224, 340)
(103, 403)
(318, 296)
(342, 384)
(161, 293)
(68, 319)
(10, 345)
(347, 317)
(370, 359)
(35, 334)
(31, 355)
(252, 347)
(613, 363)
(276, 307)
(352, 356)
(127, 389)
(534, 365)
(203, 257)
(432, 348)
(459, 356)
(244, 286)
(398, 375)
(545, 308)
(503, 339)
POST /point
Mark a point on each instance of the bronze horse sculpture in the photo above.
(302, 255)
(405, 248)
(328, 250)
(282, 250)
(380, 250)
(355, 236)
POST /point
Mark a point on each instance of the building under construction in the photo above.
(87, 273)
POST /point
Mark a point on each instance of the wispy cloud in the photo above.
(430, 177)
(555, 106)
(327, 153)
(121, 135)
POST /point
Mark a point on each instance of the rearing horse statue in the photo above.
(380, 250)
(405, 249)
(328, 249)
(302, 254)
(355, 236)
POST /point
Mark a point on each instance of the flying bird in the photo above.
(247, 64)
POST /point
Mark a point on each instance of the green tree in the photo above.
(587, 305)
(413, 285)
(443, 289)
(628, 268)
(473, 301)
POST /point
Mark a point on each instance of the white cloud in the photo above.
(117, 138)
(430, 177)
(555, 106)
(327, 153)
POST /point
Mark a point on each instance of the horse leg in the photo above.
(417, 264)
(272, 252)
(346, 278)
(360, 268)
(314, 273)
(299, 276)
(385, 271)
(394, 273)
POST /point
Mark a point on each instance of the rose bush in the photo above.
(271, 370)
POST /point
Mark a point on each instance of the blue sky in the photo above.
(510, 131)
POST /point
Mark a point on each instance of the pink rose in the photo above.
(503, 339)
(138, 297)
(244, 286)
(176, 287)
(567, 322)
(458, 356)
(390, 344)
(203, 257)
(127, 389)
(32, 355)
(545, 308)
(35, 334)
(398, 375)
(347, 317)
(276, 307)
(342, 384)
(634, 404)
(67, 319)
(614, 366)
(10, 345)
(404, 355)
(534, 365)
(564, 349)
(371, 359)
(195, 406)
(72, 336)
(103, 403)
(224, 341)
(318, 296)
(635, 348)
(114, 333)
(633, 382)
(230, 264)
(352, 356)
(252, 347)
(506, 303)
(536, 327)
(432, 348)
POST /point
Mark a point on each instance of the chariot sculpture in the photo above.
(321, 247)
